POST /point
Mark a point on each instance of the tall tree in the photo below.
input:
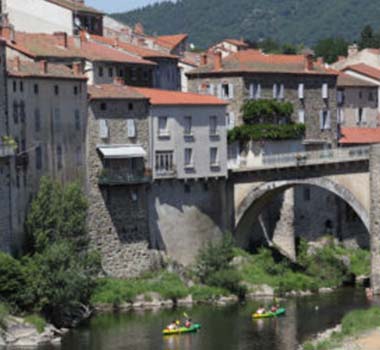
(331, 48)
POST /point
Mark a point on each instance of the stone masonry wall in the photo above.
(118, 218)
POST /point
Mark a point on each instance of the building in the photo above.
(250, 74)
(358, 102)
(6, 154)
(49, 16)
(101, 64)
(369, 57)
(47, 119)
(166, 73)
(188, 133)
(229, 46)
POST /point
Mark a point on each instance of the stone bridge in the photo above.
(353, 174)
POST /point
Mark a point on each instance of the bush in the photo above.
(37, 321)
(4, 312)
(203, 292)
(228, 279)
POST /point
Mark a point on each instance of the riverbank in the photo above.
(360, 330)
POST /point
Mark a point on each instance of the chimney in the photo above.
(320, 61)
(218, 61)
(77, 68)
(61, 38)
(119, 81)
(353, 50)
(309, 62)
(204, 59)
(83, 36)
(17, 64)
(116, 42)
(43, 66)
(8, 32)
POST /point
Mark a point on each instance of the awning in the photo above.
(121, 151)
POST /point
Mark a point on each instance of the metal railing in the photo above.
(113, 177)
(6, 151)
(336, 155)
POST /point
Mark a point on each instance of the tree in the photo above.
(369, 39)
(266, 111)
(331, 48)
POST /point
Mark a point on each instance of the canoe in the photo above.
(182, 330)
(279, 312)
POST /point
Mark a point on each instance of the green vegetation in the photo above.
(4, 312)
(353, 324)
(261, 132)
(331, 48)
(266, 111)
(37, 321)
(286, 21)
(57, 276)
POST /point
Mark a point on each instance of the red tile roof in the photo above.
(254, 61)
(46, 45)
(364, 69)
(360, 135)
(171, 41)
(27, 69)
(75, 6)
(114, 91)
(346, 80)
(168, 97)
(133, 49)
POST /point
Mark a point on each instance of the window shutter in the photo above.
(364, 117)
(328, 121)
(301, 88)
(274, 90)
(231, 124)
(231, 90)
(219, 91)
(258, 91)
(251, 91)
(282, 91)
(321, 122)
(340, 97)
(131, 128)
(325, 91)
(211, 89)
(103, 129)
(301, 116)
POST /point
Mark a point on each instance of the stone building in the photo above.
(368, 56)
(228, 46)
(250, 74)
(49, 16)
(358, 102)
(6, 152)
(166, 73)
(101, 64)
(47, 118)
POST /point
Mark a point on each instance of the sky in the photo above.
(118, 5)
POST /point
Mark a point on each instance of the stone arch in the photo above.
(259, 196)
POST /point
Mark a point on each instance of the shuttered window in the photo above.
(103, 129)
(131, 128)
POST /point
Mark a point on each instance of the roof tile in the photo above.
(360, 135)
(364, 69)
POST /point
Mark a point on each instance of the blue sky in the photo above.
(118, 5)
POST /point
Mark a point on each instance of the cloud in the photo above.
(118, 5)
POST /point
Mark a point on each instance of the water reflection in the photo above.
(229, 328)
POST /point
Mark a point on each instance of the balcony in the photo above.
(6, 151)
(109, 177)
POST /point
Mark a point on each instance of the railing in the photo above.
(6, 151)
(313, 157)
(113, 178)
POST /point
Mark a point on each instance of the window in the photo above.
(22, 112)
(187, 188)
(130, 106)
(56, 89)
(36, 89)
(131, 128)
(145, 75)
(188, 126)
(306, 194)
(39, 158)
(134, 74)
(214, 156)
(21, 86)
(211, 89)
(361, 116)
(57, 119)
(325, 91)
(100, 71)
(163, 126)
(370, 96)
(164, 163)
(340, 97)
(301, 91)
(103, 129)
(110, 72)
(14, 86)
(278, 91)
(213, 125)
(15, 112)
(325, 120)
(301, 116)
(59, 157)
(255, 91)
(227, 91)
(360, 95)
(78, 156)
(77, 120)
(188, 157)
(103, 106)
(121, 72)
(37, 120)
(75, 90)
(230, 118)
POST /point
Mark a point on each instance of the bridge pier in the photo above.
(374, 167)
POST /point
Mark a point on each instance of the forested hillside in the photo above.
(288, 21)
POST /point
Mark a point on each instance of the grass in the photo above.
(353, 324)
(37, 321)
(4, 312)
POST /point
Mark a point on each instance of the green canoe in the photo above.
(279, 312)
(181, 330)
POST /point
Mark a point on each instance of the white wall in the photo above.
(39, 16)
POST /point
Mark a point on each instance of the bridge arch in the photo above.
(260, 195)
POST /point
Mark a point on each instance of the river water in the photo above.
(223, 328)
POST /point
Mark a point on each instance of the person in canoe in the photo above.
(172, 326)
(188, 323)
(261, 310)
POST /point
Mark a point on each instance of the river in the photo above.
(223, 328)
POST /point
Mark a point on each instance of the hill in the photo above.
(289, 21)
